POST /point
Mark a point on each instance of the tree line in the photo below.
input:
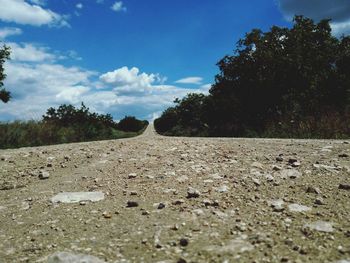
(287, 82)
(68, 124)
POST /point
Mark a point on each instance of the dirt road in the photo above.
(178, 200)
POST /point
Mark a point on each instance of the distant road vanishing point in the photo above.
(175, 199)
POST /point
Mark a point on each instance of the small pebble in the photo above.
(184, 242)
(344, 186)
(132, 204)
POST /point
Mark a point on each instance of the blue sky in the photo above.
(130, 57)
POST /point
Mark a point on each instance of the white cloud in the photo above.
(38, 2)
(9, 31)
(99, 1)
(124, 77)
(21, 12)
(118, 7)
(30, 53)
(37, 86)
(341, 28)
(190, 80)
(206, 87)
(79, 6)
(37, 82)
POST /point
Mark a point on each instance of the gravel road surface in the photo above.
(171, 199)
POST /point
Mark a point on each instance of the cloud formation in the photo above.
(21, 12)
(190, 80)
(9, 31)
(337, 10)
(37, 82)
(30, 53)
(125, 77)
(118, 7)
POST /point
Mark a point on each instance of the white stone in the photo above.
(182, 178)
(222, 189)
(208, 181)
(277, 205)
(235, 246)
(320, 226)
(298, 208)
(216, 176)
(67, 257)
(290, 173)
(44, 175)
(76, 197)
(132, 175)
(257, 165)
(326, 167)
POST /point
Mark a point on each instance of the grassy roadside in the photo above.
(37, 133)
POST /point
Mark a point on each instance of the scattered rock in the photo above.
(326, 167)
(256, 181)
(193, 193)
(313, 190)
(222, 189)
(290, 173)
(10, 186)
(296, 164)
(292, 160)
(132, 176)
(279, 159)
(184, 242)
(178, 202)
(208, 202)
(235, 246)
(344, 186)
(320, 226)
(161, 206)
(343, 155)
(76, 197)
(107, 214)
(269, 177)
(277, 205)
(257, 165)
(68, 257)
(319, 201)
(298, 208)
(132, 204)
(276, 168)
(44, 175)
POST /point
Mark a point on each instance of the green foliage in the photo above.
(4, 55)
(296, 75)
(63, 125)
(186, 118)
(131, 124)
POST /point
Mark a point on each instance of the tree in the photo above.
(4, 55)
(286, 75)
(131, 124)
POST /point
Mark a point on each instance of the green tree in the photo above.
(294, 76)
(131, 124)
(4, 55)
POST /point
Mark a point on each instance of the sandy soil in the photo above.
(179, 200)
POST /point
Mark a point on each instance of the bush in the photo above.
(131, 124)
